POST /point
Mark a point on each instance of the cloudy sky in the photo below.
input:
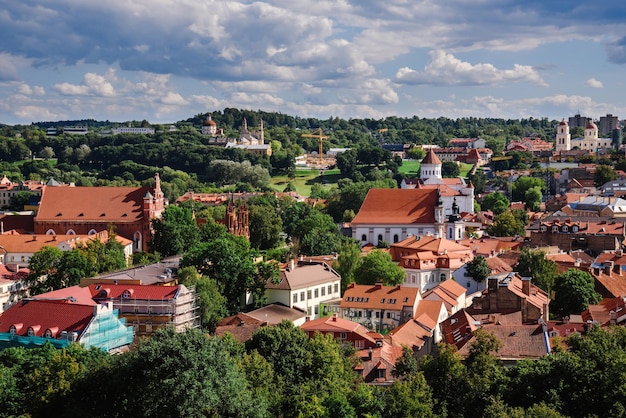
(167, 60)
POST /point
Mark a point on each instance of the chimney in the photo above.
(526, 285)
(335, 317)
(565, 319)
(619, 253)
(378, 286)
(608, 267)
(369, 353)
(292, 264)
(613, 319)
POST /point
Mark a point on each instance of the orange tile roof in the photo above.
(27, 243)
(537, 297)
(93, 204)
(336, 324)
(431, 158)
(397, 206)
(410, 334)
(443, 189)
(379, 296)
(451, 287)
(612, 285)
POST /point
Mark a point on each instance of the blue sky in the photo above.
(167, 60)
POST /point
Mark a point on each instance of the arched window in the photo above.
(92, 232)
(50, 232)
(395, 238)
(380, 237)
(70, 232)
(442, 278)
(137, 242)
(363, 237)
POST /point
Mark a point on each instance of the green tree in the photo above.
(19, 200)
(478, 179)
(211, 303)
(416, 153)
(406, 365)
(603, 174)
(506, 225)
(532, 199)
(522, 184)
(230, 262)
(450, 169)
(265, 227)
(495, 202)
(533, 263)
(573, 292)
(347, 262)
(175, 232)
(377, 266)
(478, 268)
(411, 397)
(445, 374)
(213, 381)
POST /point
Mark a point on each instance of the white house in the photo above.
(305, 285)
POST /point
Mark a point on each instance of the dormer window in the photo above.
(543, 229)
(555, 229)
(574, 229)
(81, 214)
(127, 293)
(102, 215)
(565, 228)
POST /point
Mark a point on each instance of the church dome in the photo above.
(563, 123)
(591, 125)
(208, 121)
(431, 158)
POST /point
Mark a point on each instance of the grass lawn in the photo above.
(305, 178)
(465, 169)
(409, 168)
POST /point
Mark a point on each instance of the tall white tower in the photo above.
(430, 168)
(563, 137)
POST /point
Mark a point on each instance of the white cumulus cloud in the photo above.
(593, 83)
(446, 69)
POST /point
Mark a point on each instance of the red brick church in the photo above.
(88, 210)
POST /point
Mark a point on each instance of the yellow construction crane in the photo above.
(321, 137)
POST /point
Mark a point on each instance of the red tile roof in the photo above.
(74, 295)
(93, 204)
(42, 315)
(145, 292)
(397, 206)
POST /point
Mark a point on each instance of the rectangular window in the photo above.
(377, 314)
(295, 298)
(323, 291)
(308, 294)
(388, 315)
(317, 292)
(343, 336)
(308, 311)
(330, 289)
(301, 296)
(336, 288)
(317, 309)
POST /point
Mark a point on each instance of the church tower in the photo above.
(454, 226)
(563, 137)
(430, 168)
(439, 216)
